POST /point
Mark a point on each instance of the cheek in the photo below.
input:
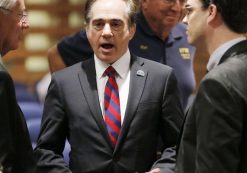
(192, 22)
(92, 37)
(123, 39)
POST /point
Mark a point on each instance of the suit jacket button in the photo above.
(116, 159)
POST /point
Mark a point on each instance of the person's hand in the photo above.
(157, 170)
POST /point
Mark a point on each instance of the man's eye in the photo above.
(188, 11)
(98, 25)
(116, 25)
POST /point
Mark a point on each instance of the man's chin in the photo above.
(106, 58)
(171, 21)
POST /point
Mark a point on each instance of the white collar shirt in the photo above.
(122, 67)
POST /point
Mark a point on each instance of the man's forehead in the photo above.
(192, 2)
(108, 12)
(107, 19)
(20, 5)
(109, 5)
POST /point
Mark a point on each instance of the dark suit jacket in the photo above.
(72, 110)
(214, 136)
(16, 154)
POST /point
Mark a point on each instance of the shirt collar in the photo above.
(219, 52)
(122, 66)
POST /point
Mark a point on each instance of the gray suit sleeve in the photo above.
(171, 122)
(219, 128)
(51, 141)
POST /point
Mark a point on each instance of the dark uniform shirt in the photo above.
(174, 52)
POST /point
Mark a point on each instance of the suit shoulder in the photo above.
(232, 66)
(68, 71)
(153, 63)
(155, 66)
(230, 74)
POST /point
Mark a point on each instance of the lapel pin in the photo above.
(140, 73)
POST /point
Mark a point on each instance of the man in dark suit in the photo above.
(16, 154)
(214, 137)
(159, 37)
(109, 136)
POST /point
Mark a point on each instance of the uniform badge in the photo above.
(184, 52)
(143, 47)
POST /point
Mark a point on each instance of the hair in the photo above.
(132, 10)
(7, 3)
(233, 13)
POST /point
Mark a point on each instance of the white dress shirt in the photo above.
(122, 67)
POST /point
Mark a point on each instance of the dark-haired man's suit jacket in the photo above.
(16, 153)
(214, 135)
(72, 110)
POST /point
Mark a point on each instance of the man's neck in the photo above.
(219, 37)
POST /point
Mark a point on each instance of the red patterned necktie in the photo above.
(112, 106)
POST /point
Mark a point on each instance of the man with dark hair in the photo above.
(108, 106)
(214, 136)
(159, 37)
(16, 154)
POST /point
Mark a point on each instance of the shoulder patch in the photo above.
(184, 52)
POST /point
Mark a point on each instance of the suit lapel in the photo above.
(89, 87)
(138, 75)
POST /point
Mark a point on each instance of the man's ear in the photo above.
(214, 17)
(212, 12)
(132, 31)
(86, 29)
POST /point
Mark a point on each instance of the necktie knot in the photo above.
(110, 71)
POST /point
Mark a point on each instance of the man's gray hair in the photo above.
(8, 4)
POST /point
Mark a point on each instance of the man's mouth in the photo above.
(107, 46)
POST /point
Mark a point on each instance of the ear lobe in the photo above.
(86, 28)
(132, 31)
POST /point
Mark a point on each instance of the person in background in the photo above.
(42, 87)
(108, 106)
(159, 36)
(16, 154)
(214, 136)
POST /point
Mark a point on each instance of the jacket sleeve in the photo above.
(51, 141)
(171, 122)
(16, 153)
(219, 128)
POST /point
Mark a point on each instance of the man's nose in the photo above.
(25, 23)
(107, 30)
(177, 5)
(185, 20)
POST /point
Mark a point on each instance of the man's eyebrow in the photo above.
(113, 19)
